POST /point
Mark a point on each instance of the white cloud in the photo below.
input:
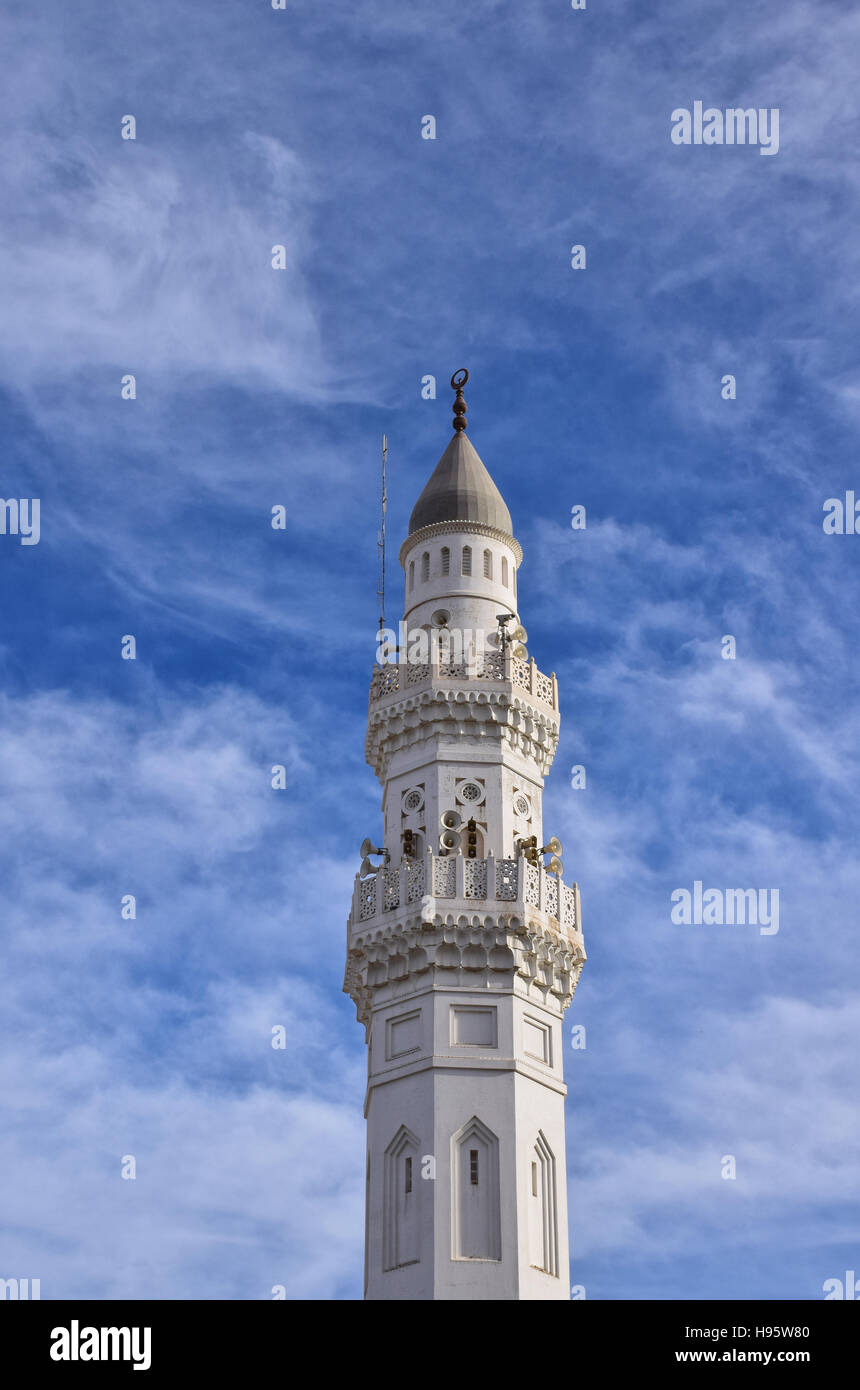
(153, 1037)
(772, 1086)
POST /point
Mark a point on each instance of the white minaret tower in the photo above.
(464, 946)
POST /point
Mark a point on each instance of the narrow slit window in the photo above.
(534, 1179)
(425, 566)
(446, 560)
(504, 571)
(467, 559)
(488, 564)
(411, 574)
(408, 1166)
(473, 1167)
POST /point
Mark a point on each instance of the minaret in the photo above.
(464, 945)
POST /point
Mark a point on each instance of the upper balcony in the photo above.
(391, 682)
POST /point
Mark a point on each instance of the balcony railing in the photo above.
(406, 677)
(467, 880)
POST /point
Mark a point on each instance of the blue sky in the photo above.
(255, 388)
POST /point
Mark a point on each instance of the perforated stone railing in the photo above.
(457, 878)
(493, 666)
(442, 878)
(414, 881)
(475, 874)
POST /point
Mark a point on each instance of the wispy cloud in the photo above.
(258, 387)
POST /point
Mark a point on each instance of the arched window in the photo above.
(505, 571)
(488, 564)
(411, 574)
(446, 560)
(425, 566)
(413, 844)
(467, 559)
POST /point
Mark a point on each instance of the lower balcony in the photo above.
(419, 882)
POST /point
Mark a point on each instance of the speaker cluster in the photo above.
(458, 834)
(533, 853)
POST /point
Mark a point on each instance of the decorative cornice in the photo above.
(473, 528)
(469, 715)
(464, 951)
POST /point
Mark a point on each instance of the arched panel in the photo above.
(542, 1212)
(400, 1228)
(475, 1198)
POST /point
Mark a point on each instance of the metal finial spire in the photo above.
(458, 381)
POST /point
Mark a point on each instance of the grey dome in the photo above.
(461, 489)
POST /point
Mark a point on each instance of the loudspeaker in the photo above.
(449, 839)
(552, 846)
(451, 820)
(367, 847)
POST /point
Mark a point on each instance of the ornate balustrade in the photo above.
(406, 677)
(457, 878)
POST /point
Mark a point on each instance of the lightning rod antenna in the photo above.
(380, 541)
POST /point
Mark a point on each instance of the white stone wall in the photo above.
(427, 1077)
(441, 775)
(472, 600)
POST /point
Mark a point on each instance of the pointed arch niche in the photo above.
(476, 1230)
(542, 1219)
(401, 1183)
